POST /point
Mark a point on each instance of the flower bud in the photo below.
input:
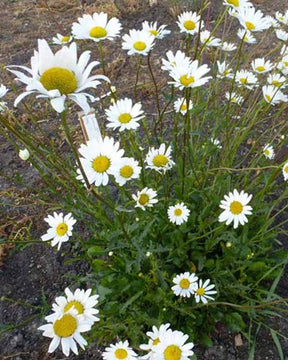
(24, 154)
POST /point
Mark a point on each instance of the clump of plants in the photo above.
(180, 210)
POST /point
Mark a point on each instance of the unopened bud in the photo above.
(24, 154)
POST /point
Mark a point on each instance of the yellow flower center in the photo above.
(243, 80)
(260, 68)
(281, 18)
(236, 208)
(124, 118)
(160, 160)
(101, 163)
(189, 25)
(186, 81)
(76, 304)
(156, 341)
(276, 83)
(178, 212)
(65, 326)
(249, 25)
(121, 354)
(172, 352)
(58, 78)
(65, 39)
(126, 171)
(183, 107)
(246, 38)
(285, 63)
(233, 2)
(98, 32)
(286, 169)
(154, 32)
(61, 229)
(143, 199)
(226, 72)
(184, 283)
(139, 46)
(200, 291)
(268, 98)
(267, 152)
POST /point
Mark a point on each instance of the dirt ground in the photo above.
(38, 270)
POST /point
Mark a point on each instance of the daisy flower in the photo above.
(151, 28)
(81, 301)
(178, 214)
(282, 18)
(236, 4)
(154, 340)
(138, 42)
(268, 152)
(235, 208)
(223, 70)
(246, 78)
(98, 158)
(3, 90)
(125, 169)
(180, 105)
(61, 40)
(24, 154)
(159, 159)
(145, 198)
(216, 142)
(172, 346)
(204, 291)
(60, 228)
(234, 97)
(285, 171)
(66, 329)
(177, 60)
(283, 65)
(189, 22)
(252, 19)
(124, 114)
(96, 27)
(246, 36)
(189, 77)
(59, 76)
(282, 35)
(208, 40)
(185, 284)
(273, 95)
(272, 21)
(261, 66)
(277, 80)
(119, 351)
(225, 46)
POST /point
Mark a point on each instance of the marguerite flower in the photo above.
(261, 66)
(246, 78)
(203, 291)
(282, 35)
(235, 208)
(145, 198)
(272, 21)
(252, 19)
(216, 142)
(282, 18)
(273, 95)
(96, 27)
(138, 42)
(180, 105)
(60, 228)
(59, 76)
(208, 40)
(178, 214)
(152, 29)
(154, 340)
(268, 151)
(98, 158)
(124, 114)
(119, 351)
(66, 329)
(191, 76)
(177, 60)
(277, 80)
(246, 36)
(234, 97)
(80, 300)
(172, 346)
(3, 90)
(225, 46)
(189, 22)
(236, 4)
(283, 65)
(186, 284)
(285, 171)
(62, 40)
(159, 159)
(125, 169)
(223, 70)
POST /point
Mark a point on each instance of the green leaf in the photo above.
(277, 343)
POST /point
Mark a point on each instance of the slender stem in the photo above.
(139, 60)
(156, 88)
(3, 298)
(100, 47)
